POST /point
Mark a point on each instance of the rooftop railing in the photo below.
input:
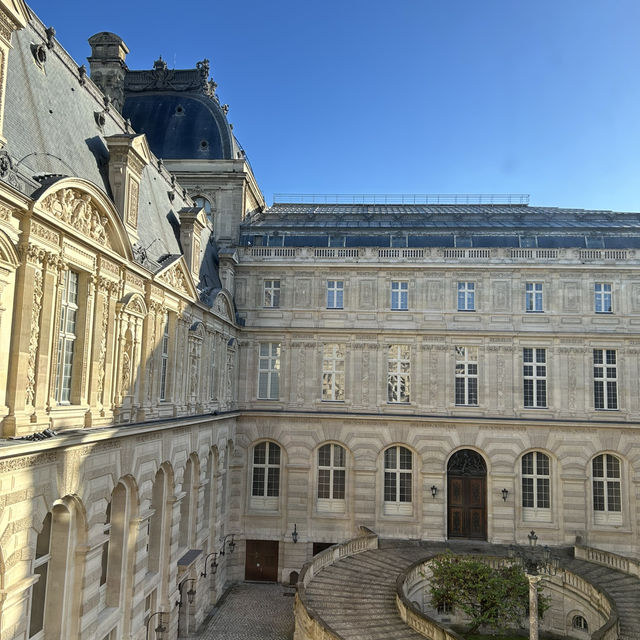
(401, 198)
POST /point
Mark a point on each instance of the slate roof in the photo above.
(422, 225)
(179, 112)
(51, 128)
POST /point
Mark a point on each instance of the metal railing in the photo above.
(401, 198)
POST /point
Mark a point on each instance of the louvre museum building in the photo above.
(197, 388)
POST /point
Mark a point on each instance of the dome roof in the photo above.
(181, 125)
(179, 112)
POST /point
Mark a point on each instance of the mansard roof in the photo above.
(444, 225)
(56, 122)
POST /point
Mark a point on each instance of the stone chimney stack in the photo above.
(107, 63)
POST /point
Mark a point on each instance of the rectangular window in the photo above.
(335, 294)
(536, 487)
(398, 376)
(467, 376)
(602, 297)
(399, 295)
(333, 372)
(605, 379)
(533, 297)
(212, 370)
(66, 337)
(534, 372)
(466, 296)
(265, 482)
(269, 371)
(164, 357)
(272, 293)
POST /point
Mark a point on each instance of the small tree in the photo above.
(495, 598)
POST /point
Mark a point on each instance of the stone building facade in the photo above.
(233, 387)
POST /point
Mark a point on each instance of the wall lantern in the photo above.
(214, 564)
(505, 494)
(191, 593)
(434, 491)
(294, 533)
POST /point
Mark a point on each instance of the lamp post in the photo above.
(160, 629)
(536, 564)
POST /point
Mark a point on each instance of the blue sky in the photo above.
(414, 96)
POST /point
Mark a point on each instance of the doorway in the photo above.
(467, 496)
(261, 562)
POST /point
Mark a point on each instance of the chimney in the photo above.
(107, 64)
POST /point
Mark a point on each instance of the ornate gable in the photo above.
(81, 207)
(177, 277)
(223, 307)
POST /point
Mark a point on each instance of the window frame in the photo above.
(536, 378)
(466, 296)
(607, 515)
(605, 386)
(332, 373)
(330, 503)
(263, 501)
(466, 380)
(398, 381)
(164, 358)
(271, 370)
(600, 297)
(540, 487)
(39, 561)
(271, 293)
(397, 506)
(534, 297)
(399, 295)
(335, 294)
(67, 340)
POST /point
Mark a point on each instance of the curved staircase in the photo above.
(355, 597)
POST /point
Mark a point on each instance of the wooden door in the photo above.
(467, 509)
(261, 561)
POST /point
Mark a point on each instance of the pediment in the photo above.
(223, 306)
(177, 277)
(86, 211)
(134, 303)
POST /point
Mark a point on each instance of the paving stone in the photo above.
(252, 612)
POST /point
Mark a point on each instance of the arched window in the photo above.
(40, 569)
(204, 203)
(54, 597)
(158, 535)
(580, 622)
(607, 500)
(106, 529)
(188, 505)
(331, 478)
(536, 487)
(398, 479)
(265, 480)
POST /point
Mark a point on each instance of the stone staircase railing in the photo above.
(629, 566)
(429, 628)
(308, 623)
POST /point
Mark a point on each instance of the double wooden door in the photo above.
(467, 507)
(261, 562)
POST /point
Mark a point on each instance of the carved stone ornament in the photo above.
(221, 308)
(75, 208)
(175, 279)
(34, 338)
(466, 463)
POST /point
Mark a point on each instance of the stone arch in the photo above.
(223, 305)
(8, 253)
(80, 205)
(467, 472)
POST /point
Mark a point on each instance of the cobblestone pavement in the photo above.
(252, 612)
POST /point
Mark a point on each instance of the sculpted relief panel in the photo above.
(76, 209)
